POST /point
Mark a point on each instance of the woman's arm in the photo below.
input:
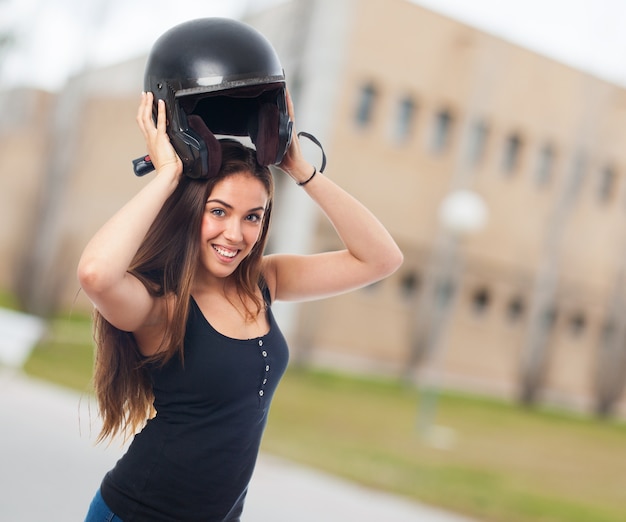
(370, 252)
(102, 270)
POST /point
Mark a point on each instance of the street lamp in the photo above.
(461, 213)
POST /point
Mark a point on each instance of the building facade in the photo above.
(420, 107)
(411, 107)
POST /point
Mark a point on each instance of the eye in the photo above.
(254, 218)
(218, 212)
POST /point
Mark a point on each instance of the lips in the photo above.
(228, 253)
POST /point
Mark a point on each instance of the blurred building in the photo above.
(411, 106)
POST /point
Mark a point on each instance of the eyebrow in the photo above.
(229, 206)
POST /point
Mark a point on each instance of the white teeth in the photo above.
(225, 253)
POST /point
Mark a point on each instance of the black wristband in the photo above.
(300, 184)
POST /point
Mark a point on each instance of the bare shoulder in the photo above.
(269, 273)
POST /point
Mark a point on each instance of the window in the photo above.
(477, 142)
(512, 153)
(365, 106)
(545, 164)
(606, 187)
(480, 301)
(409, 284)
(577, 323)
(404, 119)
(515, 309)
(441, 131)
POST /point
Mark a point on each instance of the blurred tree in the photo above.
(610, 371)
(543, 310)
(433, 305)
(7, 38)
(40, 277)
(542, 316)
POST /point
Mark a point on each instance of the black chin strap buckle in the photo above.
(142, 166)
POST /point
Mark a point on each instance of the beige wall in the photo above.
(23, 142)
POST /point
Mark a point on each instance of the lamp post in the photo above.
(461, 213)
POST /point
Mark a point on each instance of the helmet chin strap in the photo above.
(317, 142)
(143, 165)
(213, 147)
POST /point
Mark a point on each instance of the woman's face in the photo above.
(231, 224)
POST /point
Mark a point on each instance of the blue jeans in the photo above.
(100, 512)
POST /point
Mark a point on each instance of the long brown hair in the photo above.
(166, 264)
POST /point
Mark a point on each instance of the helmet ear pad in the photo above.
(270, 133)
(211, 161)
(266, 136)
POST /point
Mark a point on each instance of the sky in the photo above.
(54, 38)
(587, 34)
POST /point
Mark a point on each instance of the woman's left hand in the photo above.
(293, 162)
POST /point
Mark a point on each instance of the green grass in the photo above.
(503, 463)
(8, 300)
(65, 354)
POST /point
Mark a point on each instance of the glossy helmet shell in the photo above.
(219, 76)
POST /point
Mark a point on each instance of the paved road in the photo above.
(50, 469)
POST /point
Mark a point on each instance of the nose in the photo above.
(232, 231)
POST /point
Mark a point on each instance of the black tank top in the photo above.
(194, 460)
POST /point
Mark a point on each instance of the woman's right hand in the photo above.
(160, 149)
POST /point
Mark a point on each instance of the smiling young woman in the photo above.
(188, 352)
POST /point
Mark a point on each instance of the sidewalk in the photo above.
(50, 469)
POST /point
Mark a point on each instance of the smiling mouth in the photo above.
(225, 252)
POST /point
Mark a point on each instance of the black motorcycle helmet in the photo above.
(219, 76)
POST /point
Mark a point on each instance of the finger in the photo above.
(140, 111)
(146, 122)
(290, 110)
(147, 114)
(161, 117)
